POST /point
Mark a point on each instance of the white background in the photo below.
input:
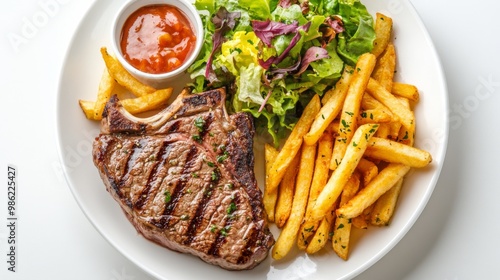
(456, 237)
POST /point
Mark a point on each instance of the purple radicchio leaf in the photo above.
(223, 21)
(286, 70)
(286, 3)
(336, 24)
(267, 30)
(276, 60)
(312, 54)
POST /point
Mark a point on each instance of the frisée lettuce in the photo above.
(273, 56)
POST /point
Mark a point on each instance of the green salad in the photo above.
(273, 56)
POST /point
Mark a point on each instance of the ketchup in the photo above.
(157, 39)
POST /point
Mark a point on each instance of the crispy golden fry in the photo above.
(342, 229)
(121, 92)
(360, 221)
(88, 108)
(370, 103)
(383, 32)
(322, 234)
(394, 104)
(321, 174)
(148, 102)
(124, 78)
(394, 128)
(406, 136)
(368, 169)
(385, 67)
(285, 193)
(384, 130)
(340, 176)
(269, 199)
(350, 110)
(106, 86)
(341, 86)
(384, 206)
(331, 108)
(292, 145)
(385, 180)
(405, 90)
(374, 116)
(289, 233)
(392, 151)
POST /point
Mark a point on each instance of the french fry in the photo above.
(374, 116)
(288, 235)
(368, 170)
(385, 67)
(269, 199)
(292, 145)
(376, 188)
(384, 130)
(407, 136)
(124, 78)
(147, 102)
(106, 86)
(384, 206)
(87, 108)
(352, 103)
(341, 86)
(285, 193)
(340, 176)
(394, 128)
(383, 32)
(394, 104)
(405, 90)
(121, 92)
(321, 174)
(360, 221)
(342, 229)
(322, 234)
(331, 108)
(392, 151)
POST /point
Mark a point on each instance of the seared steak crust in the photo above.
(185, 179)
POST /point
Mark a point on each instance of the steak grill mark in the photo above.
(214, 208)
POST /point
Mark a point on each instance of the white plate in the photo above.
(418, 64)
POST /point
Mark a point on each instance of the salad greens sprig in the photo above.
(273, 56)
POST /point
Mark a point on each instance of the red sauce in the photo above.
(157, 39)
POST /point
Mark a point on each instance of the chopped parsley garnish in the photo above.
(231, 208)
(215, 175)
(222, 157)
(197, 138)
(213, 228)
(224, 231)
(168, 196)
(199, 122)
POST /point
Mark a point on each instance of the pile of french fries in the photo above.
(344, 162)
(116, 80)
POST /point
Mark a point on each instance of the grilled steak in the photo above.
(185, 178)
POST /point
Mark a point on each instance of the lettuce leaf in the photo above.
(301, 63)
